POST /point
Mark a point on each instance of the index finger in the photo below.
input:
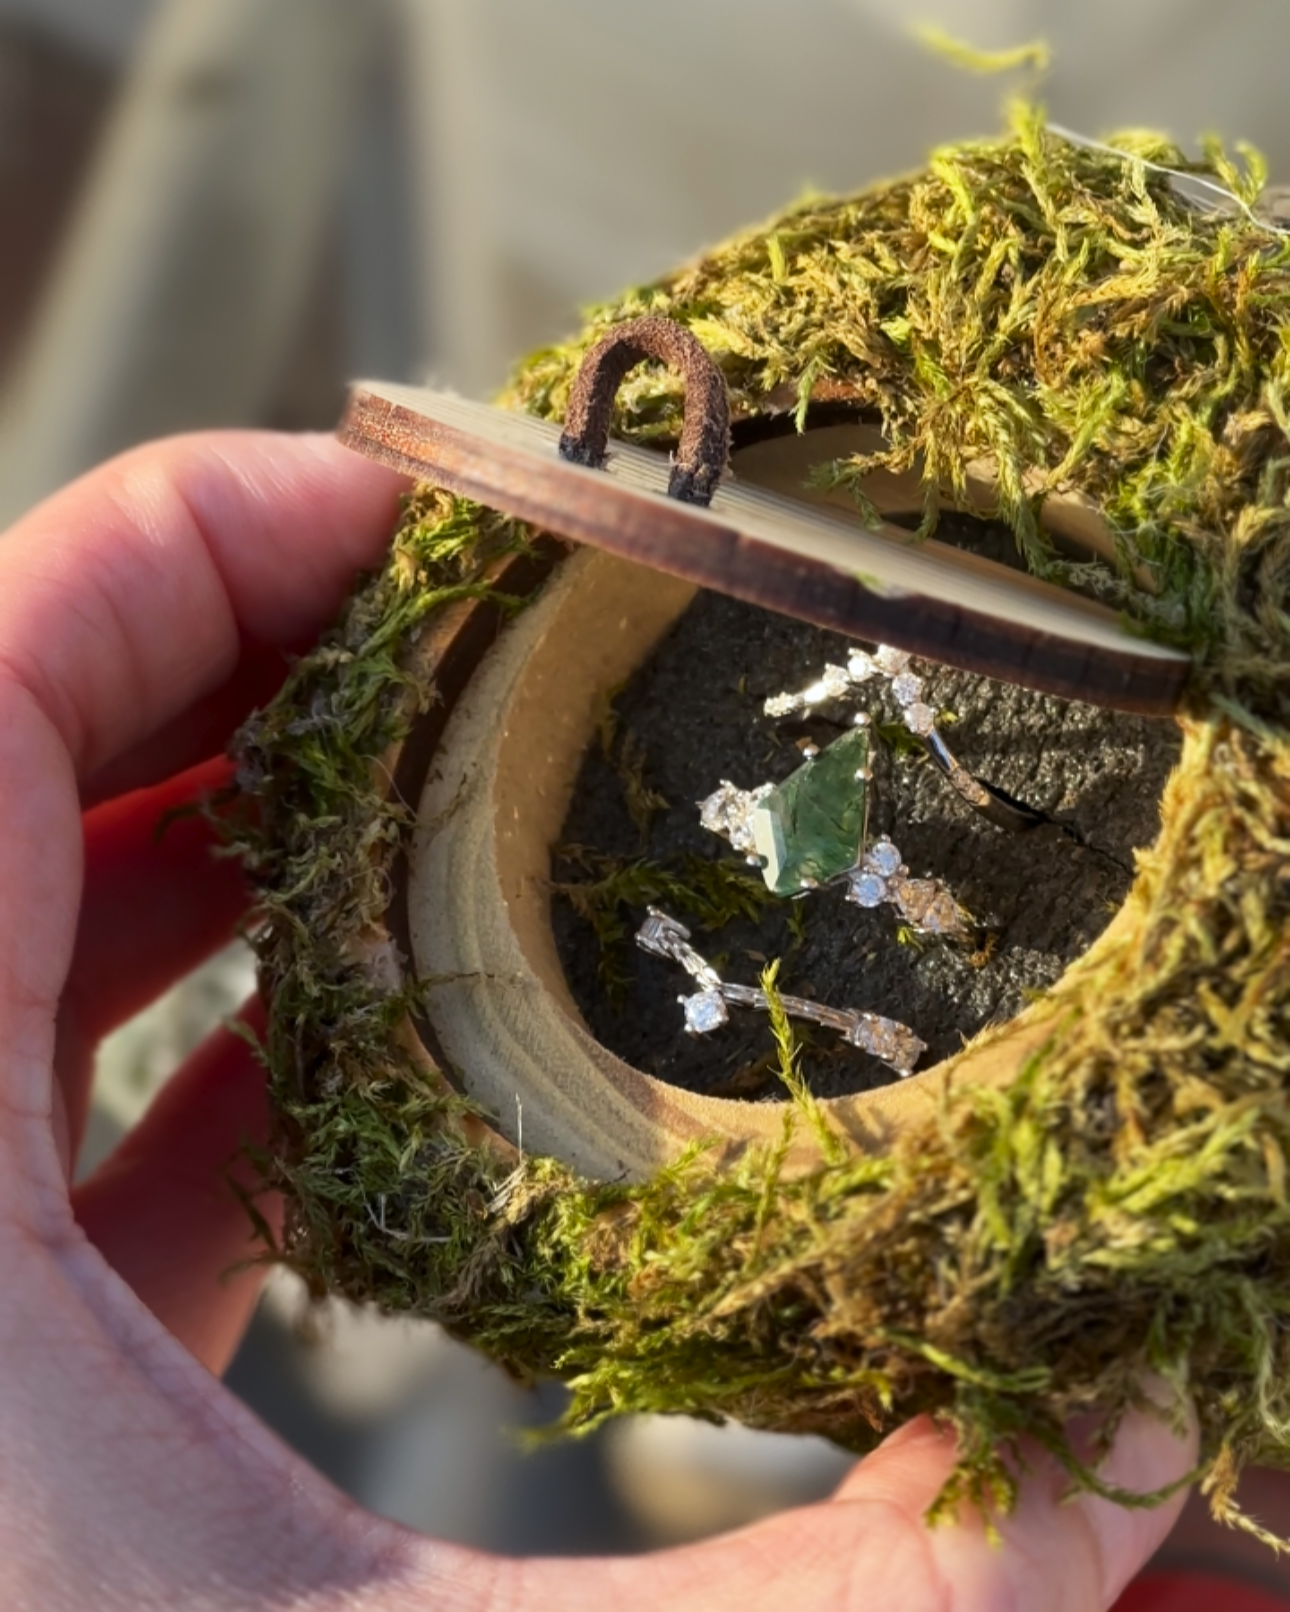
(129, 596)
(124, 602)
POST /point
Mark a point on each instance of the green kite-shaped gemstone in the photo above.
(809, 829)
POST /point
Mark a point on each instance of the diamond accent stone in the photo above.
(714, 809)
(660, 934)
(727, 811)
(833, 683)
(895, 1044)
(928, 905)
(867, 890)
(809, 828)
(860, 667)
(919, 718)
(882, 857)
(890, 661)
(907, 688)
(705, 1011)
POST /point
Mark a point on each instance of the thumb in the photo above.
(871, 1548)
(1056, 1549)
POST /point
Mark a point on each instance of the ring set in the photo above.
(810, 831)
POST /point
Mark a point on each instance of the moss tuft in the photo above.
(1122, 1208)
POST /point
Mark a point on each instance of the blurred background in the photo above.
(217, 211)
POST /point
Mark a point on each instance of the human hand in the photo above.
(142, 612)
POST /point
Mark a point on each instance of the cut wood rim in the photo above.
(783, 553)
(471, 910)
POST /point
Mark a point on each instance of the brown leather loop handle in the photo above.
(705, 435)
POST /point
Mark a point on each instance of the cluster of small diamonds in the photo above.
(836, 681)
(869, 885)
(727, 811)
(708, 1008)
(925, 904)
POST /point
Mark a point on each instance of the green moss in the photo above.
(1030, 1253)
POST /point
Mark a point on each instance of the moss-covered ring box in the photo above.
(1085, 1195)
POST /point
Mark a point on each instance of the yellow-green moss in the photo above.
(1122, 1208)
